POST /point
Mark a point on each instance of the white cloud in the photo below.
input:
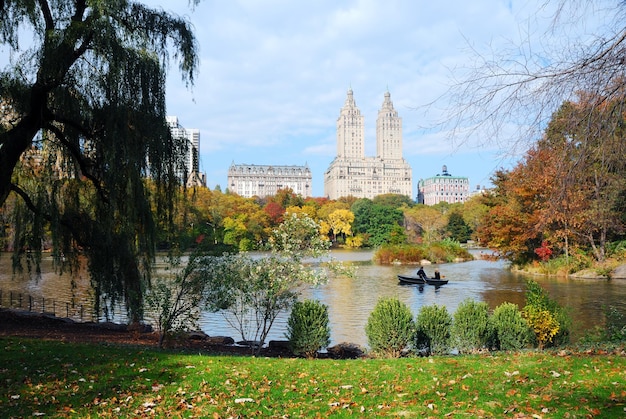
(274, 75)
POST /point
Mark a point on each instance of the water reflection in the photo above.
(351, 300)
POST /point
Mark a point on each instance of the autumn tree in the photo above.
(340, 222)
(474, 210)
(589, 180)
(511, 225)
(567, 192)
(428, 222)
(86, 99)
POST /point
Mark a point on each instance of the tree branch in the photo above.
(78, 157)
(29, 202)
(47, 14)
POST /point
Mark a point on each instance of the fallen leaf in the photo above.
(244, 400)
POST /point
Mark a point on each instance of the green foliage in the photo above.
(393, 200)
(307, 328)
(381, 223)
(615, 324)
(617, 249)
(566, 264)
(245, 245)
(390, 328)
(457, 228)
(55, 379)
(510, 331)
(447, 251)
(174, 300)
(470, 328)
(613, 329)
(433, 330)
(539, 301)
(251, 292)
(87, 99)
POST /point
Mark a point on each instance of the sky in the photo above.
(274, 74)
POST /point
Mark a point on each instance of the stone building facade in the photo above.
(250, 180)
(443, 188)
(351, 173)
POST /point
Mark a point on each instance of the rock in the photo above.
(220, 340)
(111, 326)
(249, 343)
(197, 335)
(280, 344)
(139, 327)
(345, 350)
(619, 272)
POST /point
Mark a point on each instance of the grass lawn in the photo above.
(58, 379)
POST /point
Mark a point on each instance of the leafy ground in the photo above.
(69, 378)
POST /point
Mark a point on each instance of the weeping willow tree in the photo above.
(83, 128)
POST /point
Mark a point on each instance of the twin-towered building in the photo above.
(351, 173)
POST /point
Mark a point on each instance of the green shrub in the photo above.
(447, 251)
(390, 328)
(540, 301)
(470, 328)
(433, 328)
(246, 245)
(307, 328)
(510, 330)
(615, 324)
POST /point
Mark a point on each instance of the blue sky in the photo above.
(274, 74)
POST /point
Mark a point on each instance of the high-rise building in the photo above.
(250, 180)
(193, 176)
(443, 188)
(353, 174)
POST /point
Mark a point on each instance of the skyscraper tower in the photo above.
(388, 131)
(350, 131)
(353, 174)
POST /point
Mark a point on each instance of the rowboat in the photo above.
(410, 279)
(436, 282)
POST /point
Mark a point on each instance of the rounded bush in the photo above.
(390, 328)
(433, 326)
(307, 328)
(470, 328)
(551, 329)
(511, 331)
(542, 323)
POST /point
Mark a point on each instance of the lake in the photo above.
(350, 300)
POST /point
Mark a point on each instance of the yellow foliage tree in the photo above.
(307, 210)
(542, 322)
(340, 222)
